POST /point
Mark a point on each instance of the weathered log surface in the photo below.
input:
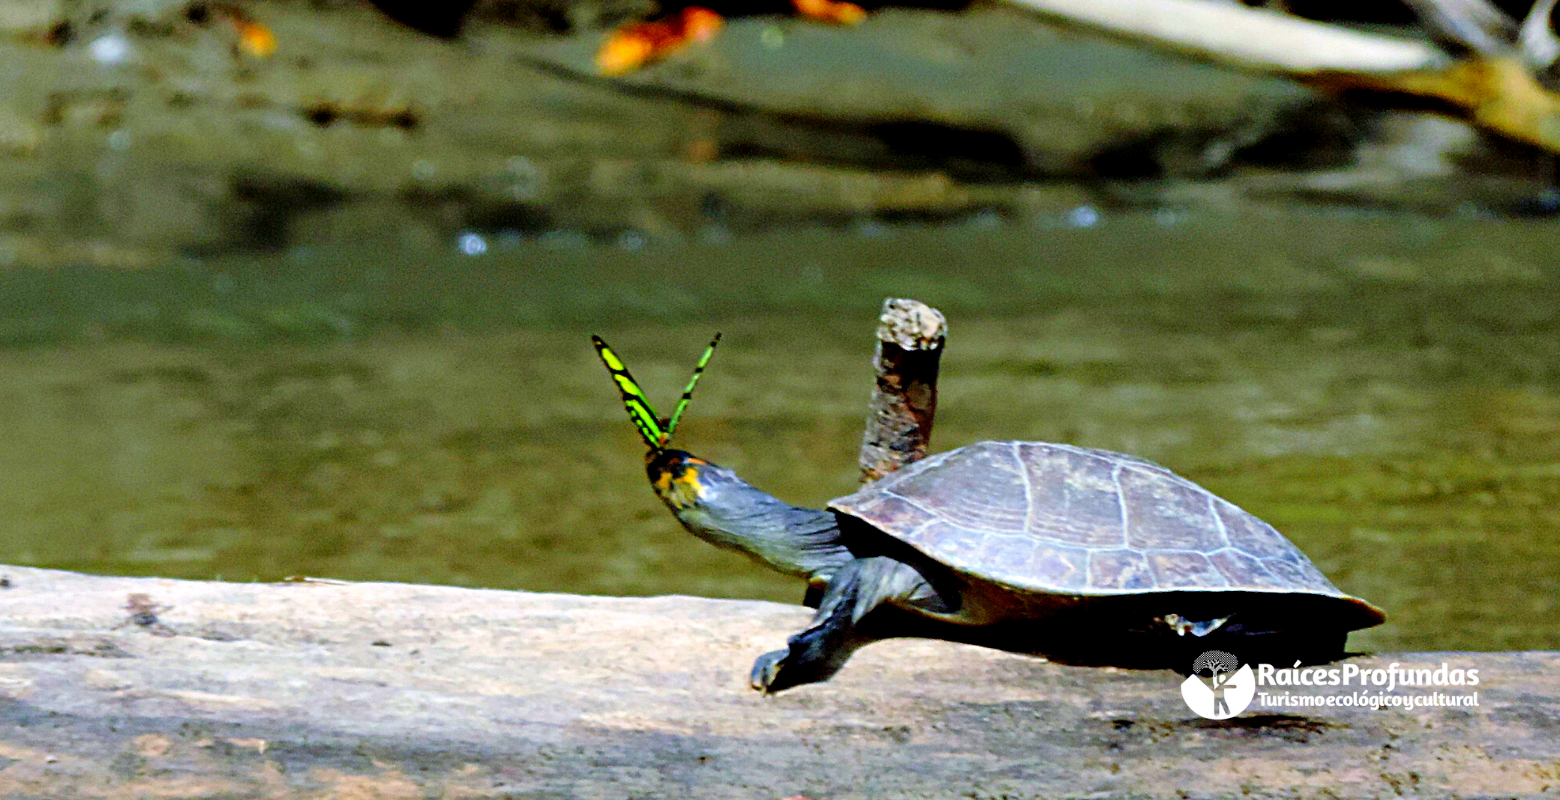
(384, 690)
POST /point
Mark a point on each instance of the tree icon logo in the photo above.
(1225, 692)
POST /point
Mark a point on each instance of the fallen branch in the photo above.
(1497, 92)
(1254, 38)
(1477, 26)
(1538, 43)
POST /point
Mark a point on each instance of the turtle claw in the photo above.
(766, 669)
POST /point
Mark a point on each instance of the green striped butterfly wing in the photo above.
(682, 405)
(639, 410)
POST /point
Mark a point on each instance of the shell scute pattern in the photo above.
(1071, 500)
(1249, 534)
(1243, 570)
(1167, 515)
(1126, 570)
(1181, 568)
(986, 481)
(1298, 572)
(955, 544)
(891, 512)
(1058, 518)
(1066, 568)
(1008, 557)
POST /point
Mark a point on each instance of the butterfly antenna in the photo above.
(682, 405)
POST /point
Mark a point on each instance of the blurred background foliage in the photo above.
(321, 307)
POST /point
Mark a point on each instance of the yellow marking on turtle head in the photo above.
(683, 490)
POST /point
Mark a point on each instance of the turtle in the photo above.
(1086, 554)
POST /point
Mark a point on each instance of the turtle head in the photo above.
(681, 479)
(712, 502)
(715, 505)
(694, 489)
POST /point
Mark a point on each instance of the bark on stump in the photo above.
(904, 399)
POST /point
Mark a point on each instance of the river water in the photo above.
(1382, 388)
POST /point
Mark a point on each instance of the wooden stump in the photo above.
(904, 399)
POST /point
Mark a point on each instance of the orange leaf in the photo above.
(700, 24)
(633, 46)
(255, 39)
(624, 51)
(832, 11)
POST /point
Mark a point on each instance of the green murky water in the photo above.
(1385, 390)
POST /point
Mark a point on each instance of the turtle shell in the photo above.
(1055, 519)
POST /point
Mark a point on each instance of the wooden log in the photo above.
(1539, 45)
(904, 398)
(1255, 38)
(1478, 26)
(1500, 93)
(382, 690)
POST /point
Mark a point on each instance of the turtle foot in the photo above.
(767, 669)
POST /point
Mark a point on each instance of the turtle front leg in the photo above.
(827, 642)
(812, 655)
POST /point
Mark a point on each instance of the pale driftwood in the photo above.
(1255, 38)
(395, 691)
(1540, 47)
(904, 397)
(1477, 25)
(1500, 93)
